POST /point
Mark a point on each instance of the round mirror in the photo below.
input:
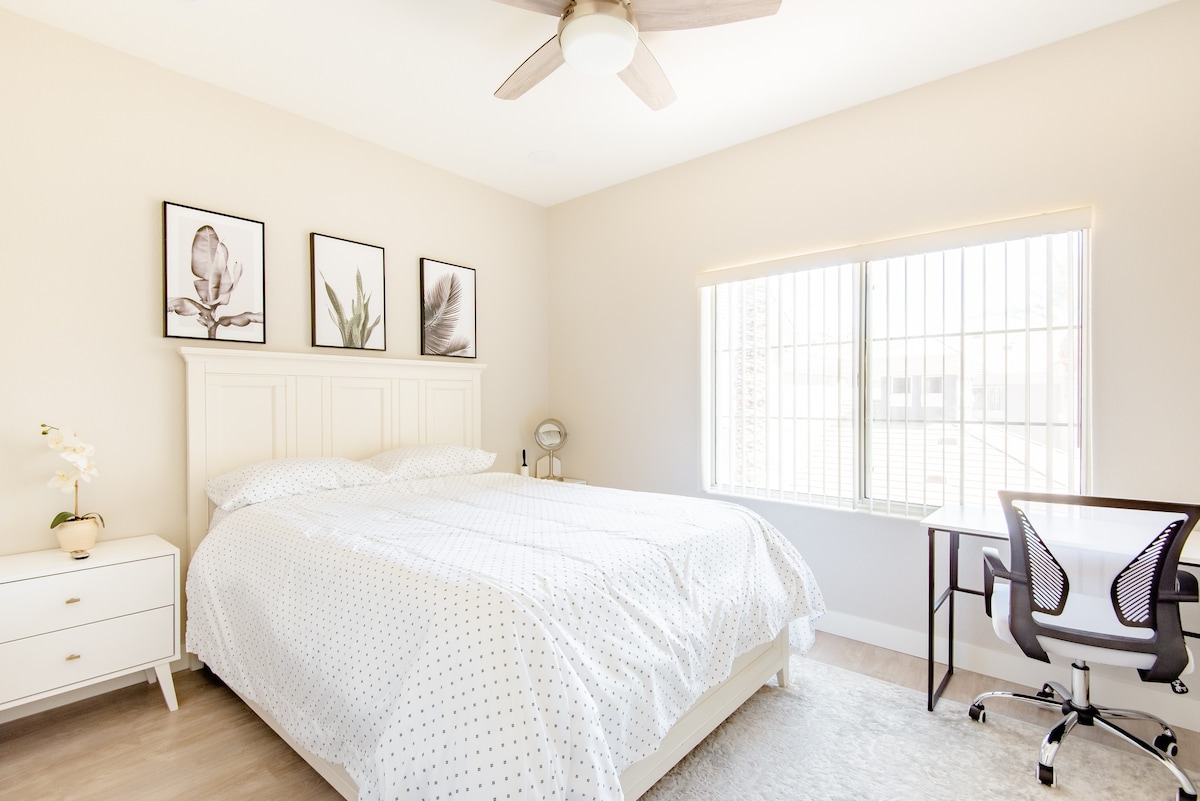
(550, 434)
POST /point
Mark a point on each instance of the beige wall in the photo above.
(91, 143)
(1109, 119)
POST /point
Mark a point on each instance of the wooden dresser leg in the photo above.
(165, 681)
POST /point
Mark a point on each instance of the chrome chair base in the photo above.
(1077, 709)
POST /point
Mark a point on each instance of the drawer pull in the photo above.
(72, 600)
(73, 657)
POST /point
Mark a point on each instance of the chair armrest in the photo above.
(1186, 589)
(992, 567)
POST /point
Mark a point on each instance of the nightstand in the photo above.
(69, 623)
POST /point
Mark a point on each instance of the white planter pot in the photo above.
(77, 536)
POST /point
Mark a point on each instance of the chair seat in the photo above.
(1085, 613)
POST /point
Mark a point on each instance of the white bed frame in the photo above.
(245, 406)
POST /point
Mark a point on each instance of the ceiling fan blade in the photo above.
(552, 7)
(676, 15)
(545, 60)
(647, 79)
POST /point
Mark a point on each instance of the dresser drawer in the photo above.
(57, 660)
(49, 603)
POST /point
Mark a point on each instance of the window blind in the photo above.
(901, 382)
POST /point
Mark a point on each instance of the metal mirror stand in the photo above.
(550, 435)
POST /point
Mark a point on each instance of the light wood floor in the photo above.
(911, 671)
(126, 746)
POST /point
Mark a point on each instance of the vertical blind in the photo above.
(901, 383)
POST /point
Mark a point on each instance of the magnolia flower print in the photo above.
(216, 278)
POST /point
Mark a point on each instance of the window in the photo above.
(901, 376)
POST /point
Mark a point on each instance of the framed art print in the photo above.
(214, 276)
(347, 294)
(447, 309)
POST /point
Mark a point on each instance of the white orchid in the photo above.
(86, 469)
(64, 479)
(58, 439)
(78, 455)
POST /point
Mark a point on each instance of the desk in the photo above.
(987, 523)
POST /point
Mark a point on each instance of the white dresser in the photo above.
(67, 623)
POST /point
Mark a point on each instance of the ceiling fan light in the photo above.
(598, 44)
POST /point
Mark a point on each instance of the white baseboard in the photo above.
(862, 629)
(1110, 686)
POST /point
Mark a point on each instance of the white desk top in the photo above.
(982, 521)
(1093, 528)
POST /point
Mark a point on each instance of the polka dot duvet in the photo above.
(488, 636)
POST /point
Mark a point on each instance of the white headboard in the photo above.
(245, 406)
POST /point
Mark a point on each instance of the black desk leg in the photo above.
(953, 590)
(935, 604)
(931, 610)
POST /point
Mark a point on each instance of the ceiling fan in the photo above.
(600, 37)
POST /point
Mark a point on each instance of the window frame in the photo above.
(1073, 220)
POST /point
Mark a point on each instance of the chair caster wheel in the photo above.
(1180, 795)
(1046, 775)
(977, 713)
(1046, 692)
(1168, 745)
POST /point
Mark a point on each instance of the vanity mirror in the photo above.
(550, 435)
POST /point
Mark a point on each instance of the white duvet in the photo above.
(488, 636)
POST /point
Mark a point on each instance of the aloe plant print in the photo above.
(219, 275)
(355, 329)
(350, 311)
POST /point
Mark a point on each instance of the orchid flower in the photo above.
(59, 440)
(78, 454)
(64, 479)
(86, 469)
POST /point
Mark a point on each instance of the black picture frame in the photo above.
(348, 278)
(213, 260)
(448, 309)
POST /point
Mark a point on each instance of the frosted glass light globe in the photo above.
(598, 44)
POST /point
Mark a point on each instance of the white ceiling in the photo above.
(417, 76)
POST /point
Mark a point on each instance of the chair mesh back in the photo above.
(1048, 583)
(1133, 589)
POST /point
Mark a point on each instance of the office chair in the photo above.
(1093, 580)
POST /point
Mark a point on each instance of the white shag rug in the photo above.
(834, 735)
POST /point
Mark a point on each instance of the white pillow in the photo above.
(277, 478)
(430, 461)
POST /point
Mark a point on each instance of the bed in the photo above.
(416, 625)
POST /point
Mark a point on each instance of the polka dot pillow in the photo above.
(276, 478)
(431, 461)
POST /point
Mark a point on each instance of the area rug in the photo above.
(835, 735)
